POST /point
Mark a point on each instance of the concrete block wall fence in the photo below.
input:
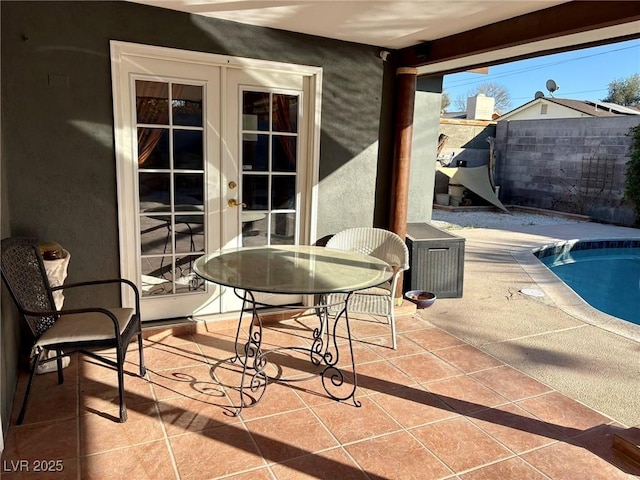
(573, 165)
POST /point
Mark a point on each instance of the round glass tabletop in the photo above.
(293, 269)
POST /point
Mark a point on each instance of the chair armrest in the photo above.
(397, 270)
(400, 268)
(97, 282)
(103, 282)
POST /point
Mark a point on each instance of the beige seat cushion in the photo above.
(82, 327)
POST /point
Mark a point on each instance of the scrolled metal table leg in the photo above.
(321, 333)
(240, 355)
(252, 357)
(332, 376)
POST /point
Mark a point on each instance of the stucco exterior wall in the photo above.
(423, 152)
(533, 112)
(9, 328)
(465, 134)
(57, 116)
(466, 141)
(569, 165)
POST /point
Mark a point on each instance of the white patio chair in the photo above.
(386, 246)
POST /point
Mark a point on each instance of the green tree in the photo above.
(624, 91)
(495, 90)
(632, 180)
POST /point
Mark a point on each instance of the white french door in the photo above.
(212, 152)
(269, 142)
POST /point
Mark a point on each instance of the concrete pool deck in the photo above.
(555, 338)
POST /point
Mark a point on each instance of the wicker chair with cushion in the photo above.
(66, 331)
(386, 246)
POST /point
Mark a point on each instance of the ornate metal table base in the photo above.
(323, 352)
(294, 270)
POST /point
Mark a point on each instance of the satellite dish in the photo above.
(552, 86)
(539, 94)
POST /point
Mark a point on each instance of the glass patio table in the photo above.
(293, 270)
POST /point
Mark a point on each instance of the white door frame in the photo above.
(126, 159)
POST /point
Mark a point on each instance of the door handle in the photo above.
(234, 203)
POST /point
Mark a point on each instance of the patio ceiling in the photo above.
(437, 35)
(388, 24)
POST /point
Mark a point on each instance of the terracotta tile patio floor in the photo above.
(435, 408)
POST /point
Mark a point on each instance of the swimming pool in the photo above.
(604, 273)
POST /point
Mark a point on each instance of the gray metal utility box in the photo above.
(436, 260)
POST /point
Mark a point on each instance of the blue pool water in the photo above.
(605, 273)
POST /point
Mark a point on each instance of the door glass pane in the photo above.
(152, 102)
(285, 113)
(254, 229)
(188, 149)
(189, 233)
(156, 276)
(189, 189)
(186, 279)
(255, 111)
(283, 192)
(187, 105)
(255, 152)
(255, 190)
(153, 148)
(284, 154)
(155, 191)
(284, 229)
(155, 232)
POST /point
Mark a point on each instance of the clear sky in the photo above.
(580, 75)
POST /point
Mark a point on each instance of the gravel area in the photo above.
(451, 220)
